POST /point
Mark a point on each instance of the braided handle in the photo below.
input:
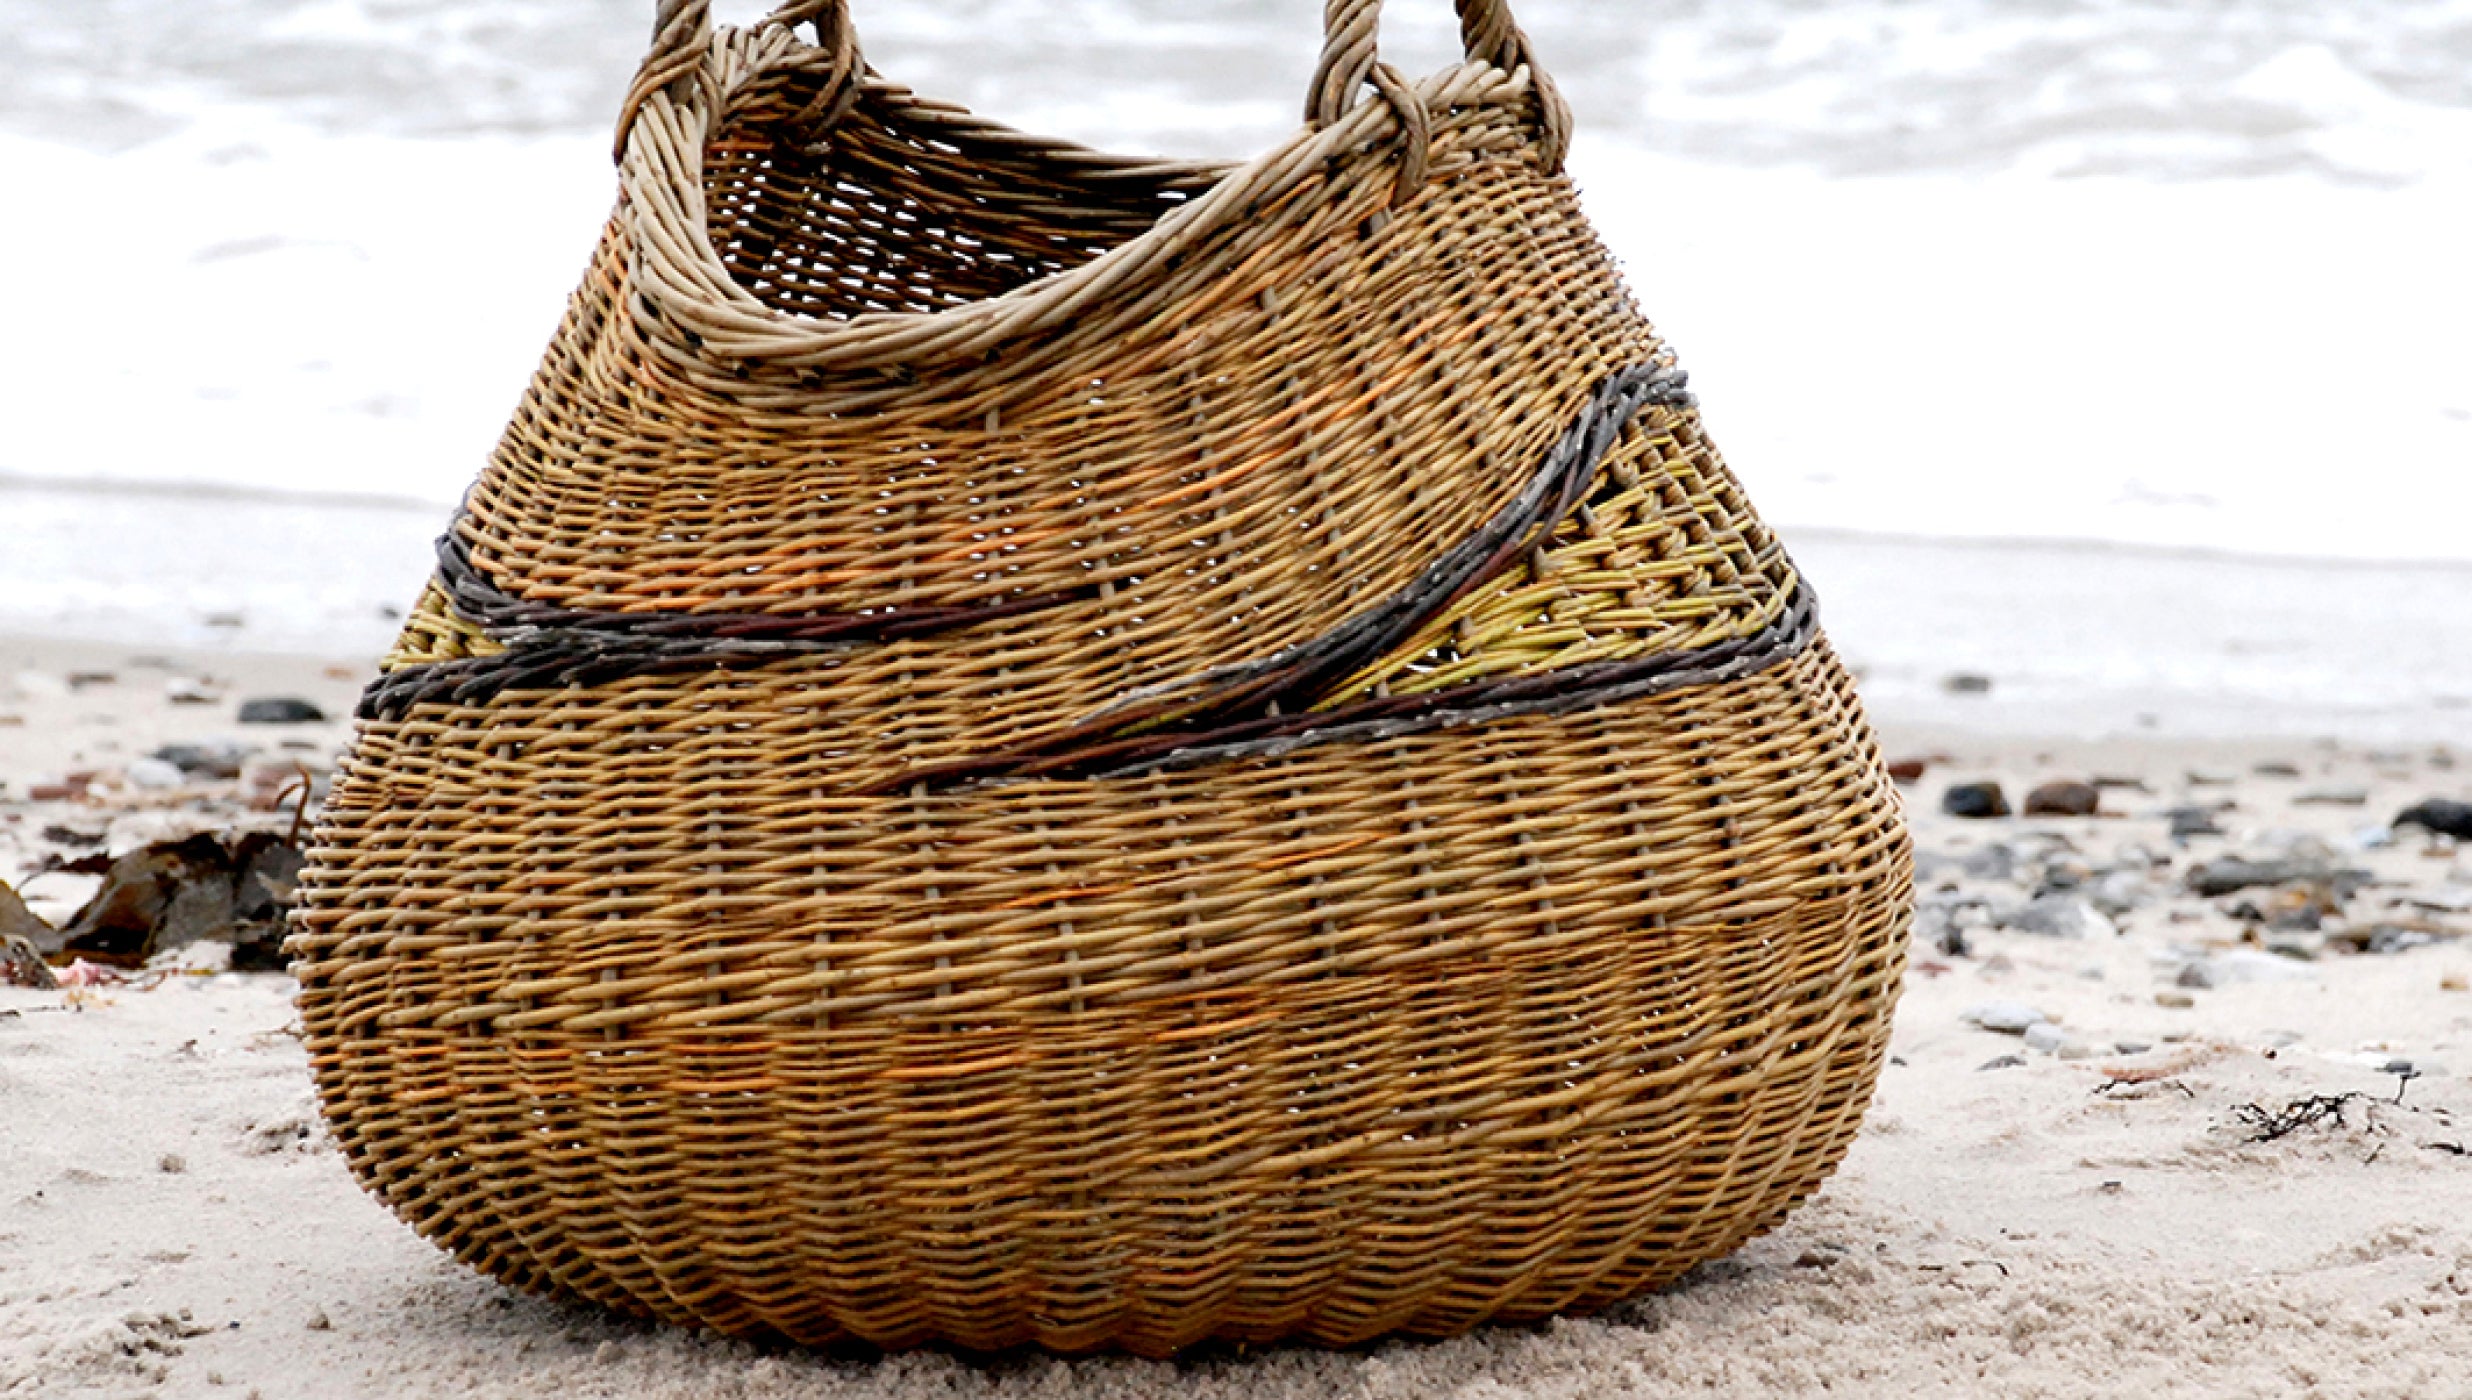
(681, 29)
(1352, 58)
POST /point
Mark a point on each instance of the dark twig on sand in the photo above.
(2275, 1125)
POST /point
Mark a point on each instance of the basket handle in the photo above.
(681, 30)
(1352, 58)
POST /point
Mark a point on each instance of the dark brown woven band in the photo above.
(1559, 692)
(1223, 713)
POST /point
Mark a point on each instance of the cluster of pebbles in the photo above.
(2213, 879)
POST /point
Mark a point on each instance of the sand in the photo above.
(173, 1221)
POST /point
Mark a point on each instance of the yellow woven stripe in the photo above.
(434, 633)
(1664, 558)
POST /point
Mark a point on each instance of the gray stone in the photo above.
(2232, 874)
(2000, 1062)
(2334, 797)
(2060, 916)
(2241, 966)
(2044, 1038)
(1966, 683)
(2121, 891)
(1975, 801)
(153, 775)
(2003, 1017)
(2079, 1050)
(217, 761)
(282, 709)
(2132, 1047)
(2192, 821)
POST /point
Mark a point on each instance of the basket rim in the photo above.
(681, 277)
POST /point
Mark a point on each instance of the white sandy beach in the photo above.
(2109, 351)
(2094, 1219)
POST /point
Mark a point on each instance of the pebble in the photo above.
(2064, 800)
(2333, 797)
(2192, 821)
(1967, 683)
(1908, 770)
(205, 760)
(1975, 801)
(2003, 1017)
(192, 690)
(2061, 916)
(2441, 817)
(2277, 770)
(2132, 1047)
(2120, 891)
(2079, 1050)
(2045, 1038)
(2000, 1062)
(2232, 874)
(2455, 982)
(2242, 965)
(2175, 1001)
(154, 775)
(281, 709)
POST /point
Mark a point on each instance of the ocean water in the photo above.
(2183, 274)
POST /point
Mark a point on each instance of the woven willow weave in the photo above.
(1023, 746)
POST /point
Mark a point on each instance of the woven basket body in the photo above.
(1024, 747)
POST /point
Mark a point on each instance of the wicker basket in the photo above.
(1019, 746)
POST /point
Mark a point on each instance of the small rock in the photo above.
(154, 775)
(1967, 683)
(2121, 891)
(2455, 982)
(171, 1164)
(2200, 778)
(2441, 817)
(2240, 966)
(2174, 1001)
(2044, 1038)
(1975, 801)
(2132, 1047)
(318, 1321)
(1997, 861)
(192, 690)
(87, 680)
(2299, 947)
(1908, 770)
(2333, 797)
(2277, 770)
(2064, 800)
(2061, 916)
(2232, 874)
(2000, 1062)
(22, 966)
(283, 709)
(2192, 821)
(215, 761)
(2003, 1017)
(2078, 1050)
